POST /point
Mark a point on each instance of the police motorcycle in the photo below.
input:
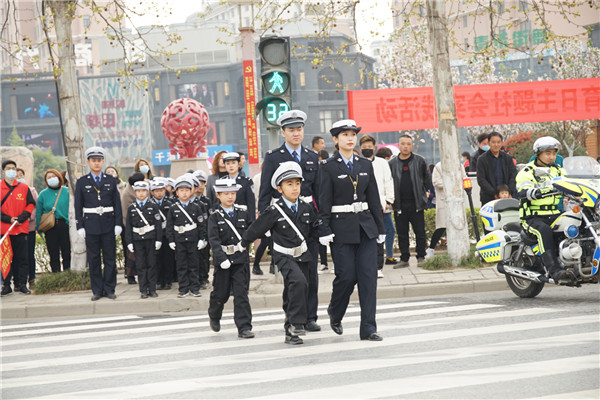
(576, 231)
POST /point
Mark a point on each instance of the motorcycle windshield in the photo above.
(582, 167)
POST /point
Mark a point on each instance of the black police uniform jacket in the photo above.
(282, 233)
(309, 161)
(86, 196)
(205, 201)
(245, 195)
(176, 217)
(151, 212)
(164, 207)
(221, 234)
(337, 189)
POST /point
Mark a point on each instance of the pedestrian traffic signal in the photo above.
(275, 78)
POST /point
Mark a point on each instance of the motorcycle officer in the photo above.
(539, 204)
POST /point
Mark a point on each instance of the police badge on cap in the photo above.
(226, 185)
(157, 183)
(292, 119)
(344, 125)
(286, 170)
(94, 152)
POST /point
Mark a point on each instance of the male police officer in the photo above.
(292, 129)
(99, 221)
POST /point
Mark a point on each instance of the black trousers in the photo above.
(224, 281)
(355, 264)
(102, 248)
(435, 238)
(312, 301)
(295, 289)
(58, 244)
(260, 250)
(129, 259)
(186, 259)
(323, 254)
(20, 260)
(417, 221)
(165, 264)
(145, 264)
(539, 228)
(31, 256)
(380, 252)
(204, 258)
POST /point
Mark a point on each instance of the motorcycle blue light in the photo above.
(572, 231)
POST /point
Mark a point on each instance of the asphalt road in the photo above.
(474, 346)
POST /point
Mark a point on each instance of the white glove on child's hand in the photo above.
(226, 264)
(157, 245)
(202, 244)
(325, 240)
(172, 245)
(381, 239)
(130, 247)
(118, 230)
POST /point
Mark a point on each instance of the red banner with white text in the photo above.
(250, 102)
(385, 110)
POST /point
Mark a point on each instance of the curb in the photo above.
(257, 301)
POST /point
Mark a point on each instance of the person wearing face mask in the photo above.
(482, 141)
(57, 238)
(385, 185)
(17, 206)
(32, 229)
(143, 166)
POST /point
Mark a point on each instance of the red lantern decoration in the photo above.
(185, 124)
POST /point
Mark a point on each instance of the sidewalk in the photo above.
(265, 292)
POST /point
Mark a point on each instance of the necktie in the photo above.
(295, 155)
(230, 213)
(98, 181)
(350, 167)
(294, 209)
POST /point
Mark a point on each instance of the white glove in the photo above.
(130, 247)
(172, 245)
(226, 264)
(381, 239)
(157, 245)
(81, 233)
(118, 230)
(202, 244)
(268, 234)
(325, 240)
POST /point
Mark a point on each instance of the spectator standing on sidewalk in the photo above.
(143, 166)
(17, 206)
(385, 185)
(411, 183)
(388, 216)
(57, 238)
(32, 230)
(494, 168)
(482, 141)
(218, 171)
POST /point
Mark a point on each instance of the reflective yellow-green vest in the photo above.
(527, 181)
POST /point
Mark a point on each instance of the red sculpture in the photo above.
(185, 124)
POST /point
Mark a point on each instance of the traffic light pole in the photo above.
(274, 137)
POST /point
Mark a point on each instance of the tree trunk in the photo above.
(456, 224)
(68, 97)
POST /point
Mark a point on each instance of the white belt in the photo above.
(232, 249)
(306, 199)
(350, 208)
(294, 251)
(184, 228)
(144, 229)
(98, 210)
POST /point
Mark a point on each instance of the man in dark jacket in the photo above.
(411, 182)
(494, 168)
(482, 141)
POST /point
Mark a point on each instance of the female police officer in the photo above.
(352, 221)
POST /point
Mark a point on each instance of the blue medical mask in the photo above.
(52, 182)
(21, 180)
(10, 174)
(485, 148)
(144, 169)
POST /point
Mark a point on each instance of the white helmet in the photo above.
(546, 143)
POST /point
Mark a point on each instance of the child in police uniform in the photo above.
(225, 229)
(291, 222)
(165, 261)
(143, 233)
(186, 234)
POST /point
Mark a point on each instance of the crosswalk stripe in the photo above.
(449, 380)
(67, 322)
(173, 387)
(179, 337)
(203, 324)
(316, 349)
(323, 369)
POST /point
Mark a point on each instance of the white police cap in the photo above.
(231, 156)
(94, 152)
(170, 182)
(193, 179)
(201, 175)
(344, 125)
(286, 170)
(184, 181)
(158, 183)
(292, 119)
(141, 185)
(226, 185)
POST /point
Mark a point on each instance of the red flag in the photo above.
(6, 255)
